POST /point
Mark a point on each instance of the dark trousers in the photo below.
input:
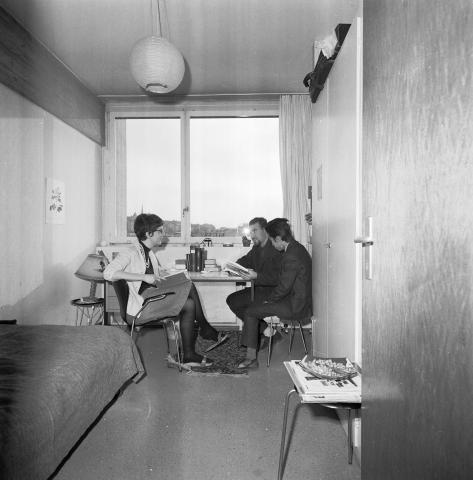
(253, 315)
(240, 300)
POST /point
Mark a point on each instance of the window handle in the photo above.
(184, 210)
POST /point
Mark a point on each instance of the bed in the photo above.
(55, 380)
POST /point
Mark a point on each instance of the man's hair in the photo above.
(262, 222)
(281, 227)
(146, 222)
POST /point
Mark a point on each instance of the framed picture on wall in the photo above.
(55, 201)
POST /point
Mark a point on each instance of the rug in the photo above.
(226, 357)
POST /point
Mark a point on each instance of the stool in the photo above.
(349, 407)
(90, 308)
(273, 322)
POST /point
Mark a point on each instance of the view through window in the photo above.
(233, 170)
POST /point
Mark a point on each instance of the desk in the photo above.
(111, 301)
(352, 401)
(221, 277)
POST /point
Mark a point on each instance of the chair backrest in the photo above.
(122, 292)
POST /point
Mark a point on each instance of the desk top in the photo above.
(215, 277)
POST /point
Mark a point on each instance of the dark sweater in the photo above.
(266, 262)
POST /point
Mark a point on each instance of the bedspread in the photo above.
(54, 382)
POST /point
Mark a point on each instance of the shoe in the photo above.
(248, 363)
(222, 337)
(206, 362)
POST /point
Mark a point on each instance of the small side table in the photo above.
(92, 309)
(348, 406)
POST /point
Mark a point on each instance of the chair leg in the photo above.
(178, 349)
(291, 338)
(302, 335)
(270, 342)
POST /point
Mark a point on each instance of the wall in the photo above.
(417, 185)
(37, 259)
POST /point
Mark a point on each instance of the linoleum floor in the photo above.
(180, 427)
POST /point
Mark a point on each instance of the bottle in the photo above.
(198, 259)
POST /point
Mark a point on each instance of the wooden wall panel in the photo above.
(32, 71)
(418, 186)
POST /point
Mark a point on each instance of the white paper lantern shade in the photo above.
(156, 64)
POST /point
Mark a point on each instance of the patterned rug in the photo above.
(226, 357)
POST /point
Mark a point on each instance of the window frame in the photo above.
(114, 159)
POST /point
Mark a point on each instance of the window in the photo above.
(234, 174)
(205, 171)
(153, 171)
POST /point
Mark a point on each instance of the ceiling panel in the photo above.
(230, 46)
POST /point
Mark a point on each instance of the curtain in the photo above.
(295, 152)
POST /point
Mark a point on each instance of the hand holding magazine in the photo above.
(236, 269)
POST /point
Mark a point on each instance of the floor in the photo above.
(176, 426)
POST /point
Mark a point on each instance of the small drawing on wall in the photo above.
(55, 201)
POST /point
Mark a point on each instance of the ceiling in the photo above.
(229, 46)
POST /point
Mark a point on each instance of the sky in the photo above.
(234, 173)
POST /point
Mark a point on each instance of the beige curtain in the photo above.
(295, 151)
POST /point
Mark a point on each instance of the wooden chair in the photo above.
(273, 323)
(146, 315)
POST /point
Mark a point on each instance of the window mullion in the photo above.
(185, 179)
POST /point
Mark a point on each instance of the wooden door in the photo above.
(418, 187)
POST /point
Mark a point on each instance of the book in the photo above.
(167, 284)
(312, 389)
(236, 269)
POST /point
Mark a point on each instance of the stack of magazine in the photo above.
(323, 380)
(235, 269)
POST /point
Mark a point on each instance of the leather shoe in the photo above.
(249, 363)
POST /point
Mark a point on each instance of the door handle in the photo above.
(328, 245)
(367, 241)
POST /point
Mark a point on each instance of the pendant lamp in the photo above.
(155, 63)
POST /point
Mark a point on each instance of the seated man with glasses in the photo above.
(140, 267)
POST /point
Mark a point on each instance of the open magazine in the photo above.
(235, 269)
(313, 388)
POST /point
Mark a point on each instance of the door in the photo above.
(417, 187)
(337, 261)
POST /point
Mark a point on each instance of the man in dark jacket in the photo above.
(291, 298)
(264, 263)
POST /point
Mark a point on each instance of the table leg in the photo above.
(350, 441)
(283, 435)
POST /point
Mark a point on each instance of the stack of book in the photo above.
(210, 265)
(322, 382)
(180, 264)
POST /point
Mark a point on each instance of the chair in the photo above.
(273, 323)
(145, 316)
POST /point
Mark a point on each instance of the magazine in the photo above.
(236, 269)
(168, 283)
(320, 390)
